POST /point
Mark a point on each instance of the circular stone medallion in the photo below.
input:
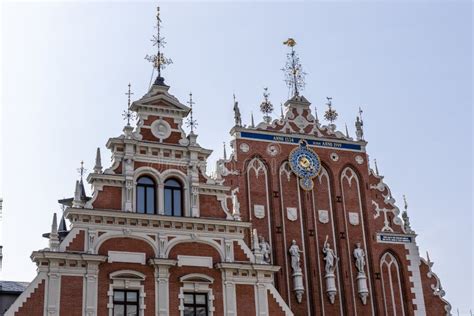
(334, 157)
(359, 159)
(160, 129)
(244, 147)
(273, 149)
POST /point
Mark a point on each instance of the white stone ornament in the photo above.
(244, 147)
(331, 260)
(160, 129)
(323, 216)
(359, 256)
(354, 218)
(259, 211)
(297, 275)
(292, 213)
(359, 159)
(334, 157)
(273, 149)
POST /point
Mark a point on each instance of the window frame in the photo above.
(174, 189)
(145, 197)
(196, 305)
(125, 303)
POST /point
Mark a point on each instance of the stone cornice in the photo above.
(41, 255)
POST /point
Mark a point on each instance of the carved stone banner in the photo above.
(354, 218)
(259, 211)
(292, 213)
(323, 216)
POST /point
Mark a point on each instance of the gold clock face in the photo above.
(304, 162)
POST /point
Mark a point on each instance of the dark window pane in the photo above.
(145, 180)
(132, 310)
(201, 311)
(172, 183)
(150, 200)
(119, 310)
(132, 296)
(140, 199)
(177, 203)
(188, 311)
(188, 299)
(168, 206)
(201, 299)
(119, 296)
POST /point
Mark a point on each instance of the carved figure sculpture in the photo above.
(330, 257)
(295, 256)
(359, 256)
(265, 249)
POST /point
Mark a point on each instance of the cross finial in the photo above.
(360, 113)
(127, 114)
(294, 74)
(159, 61)
(81, 170)
(191, 122)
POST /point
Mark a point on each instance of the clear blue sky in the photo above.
(66, 66)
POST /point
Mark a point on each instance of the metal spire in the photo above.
(347, 131)
(82, 170)
(159, 61)
(266, 107)
(282, 116)
(316, 114)
(294, 74)
(376, 167)
(225, 152)
(252, 123)
(191, 122)
(127, 114)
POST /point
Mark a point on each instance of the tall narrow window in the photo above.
(146, 195)
(195, 304)
(173, 198)
(125, 303)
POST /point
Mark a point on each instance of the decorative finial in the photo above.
(159, 61)
(376, 167)
(266, 107)
(81, 170)
(53, 236)
(225, 152)
(294, 74)
(330, 114)
(191, 122)
(127, 114)
(282, 116)
(347, 131)
(316, 115)
(98, 162)
(406, 218)
(252, 123)
(237, 116)
(359, 126)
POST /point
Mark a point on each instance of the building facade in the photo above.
(293, 222)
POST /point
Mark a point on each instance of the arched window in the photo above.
(173, 198)
(146, 195)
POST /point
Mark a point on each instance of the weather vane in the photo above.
(128, 115)
(191, 122)
(294, 74)
(159, 61)
(330, 114)
(266, 107)
(82, 170)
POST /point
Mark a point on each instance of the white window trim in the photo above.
(196, 283)
(127, 280)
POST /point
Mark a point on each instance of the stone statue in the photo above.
(235, 204)
(265, 249)
(330, 257)
(359, 130)
(295, 256)
(359, 256)
(237, 117)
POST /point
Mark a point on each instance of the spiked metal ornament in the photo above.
(191, 122)
(158, 60)
(330, 114)
(127, 114)
(294, 74)
(266, 107)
